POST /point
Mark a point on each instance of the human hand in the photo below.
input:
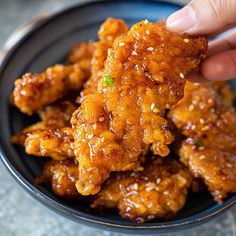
(210, 18)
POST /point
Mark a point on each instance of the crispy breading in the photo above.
(52, 117)
(206, 114)
(54, 143)
(82, 53)
(207, 118)
(107, 33)
(144, 74)
(62, 176)
(216, 167)
(204, 108)
(35, 91)
(159, 190)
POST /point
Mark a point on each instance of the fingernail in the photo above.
(182, 20)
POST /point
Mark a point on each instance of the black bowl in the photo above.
(45, 43)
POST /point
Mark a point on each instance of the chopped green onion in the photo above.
(199, 143)
(108, 80)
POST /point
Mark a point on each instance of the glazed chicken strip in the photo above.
(203, 109)
(33, 92)
(207, 118)
(216, 167)
(53, 143)
(107, 33)
(159, 190)
(49, 137)
(82, 53)
(45, 140)
(61, 175)
(52, 117)
(144, 74)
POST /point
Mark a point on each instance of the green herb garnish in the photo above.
(199, 143)
(108, 80)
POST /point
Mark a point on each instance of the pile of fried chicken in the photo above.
(108, 117)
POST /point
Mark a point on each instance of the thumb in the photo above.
(203, 17)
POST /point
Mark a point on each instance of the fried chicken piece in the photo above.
(82, 53)
(158, 191)
(206, 113)
(109, 30)
(207, 118)
(143, 75)
(206, 109)
(52, 117)
(33, 92)
(62, 176)
(216, 167)
(54, 143)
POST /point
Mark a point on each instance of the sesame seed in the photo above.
(89, 136)
(133, 174)
(193, 127)
(205, 128)
(191, 107)
(151, 217)
(95, 126)
(109, 37)
(133, 53)
(147, 32)
(166, 192)
(209, 100)
(150, 49)
(135, 186)
(146, 22)
(202, 157)
(201, 121)
(162, 45)
(158, 180)
(181, 75)
(201, 148)
(150, 186)
(122, 44)
(212, 110)
(157, 188)
(229, 165)
(156, 110)
(101, 119)
(186, 40)
(152, 106)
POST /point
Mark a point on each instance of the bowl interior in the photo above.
(47, 45)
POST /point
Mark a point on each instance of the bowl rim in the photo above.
(77, 215)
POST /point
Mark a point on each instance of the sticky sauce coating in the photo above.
(157, 190)
(207, 118)
(144, 74)
(124, 84)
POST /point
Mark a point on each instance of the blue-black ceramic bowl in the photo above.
(47, 42)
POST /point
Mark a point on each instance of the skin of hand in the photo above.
(210, 18)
